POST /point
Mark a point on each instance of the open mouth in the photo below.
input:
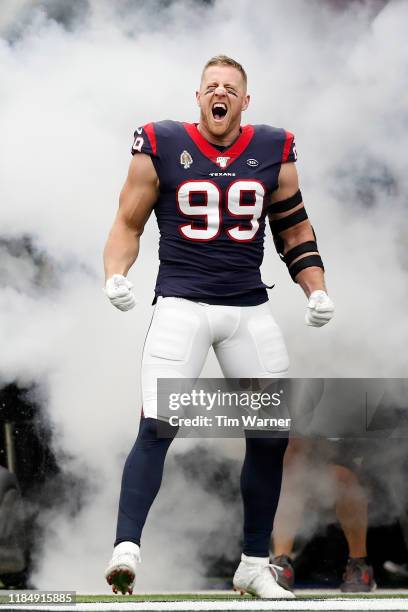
(219, 110)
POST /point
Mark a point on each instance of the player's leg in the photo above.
(290, 509)
(290, 506)
(261, 478)
(176, 347)
(141, 480)
(256, 349)
(351, 511)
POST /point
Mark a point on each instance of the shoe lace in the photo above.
(274, 570)
(265, 573)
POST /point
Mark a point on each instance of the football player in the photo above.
(344, 463)
(211, 185)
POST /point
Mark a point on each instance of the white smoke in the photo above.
(71, 96)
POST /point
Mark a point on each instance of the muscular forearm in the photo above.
(311, 279)
(121, 249)
(296, 244)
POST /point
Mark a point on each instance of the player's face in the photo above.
(222, 98)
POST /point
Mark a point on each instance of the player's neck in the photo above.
(224, 140)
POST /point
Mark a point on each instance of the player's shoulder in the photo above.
(166, 127)
(277, 139)
(150, 137)
(272, 133)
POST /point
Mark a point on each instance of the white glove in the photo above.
(320, 309)
(118, 290)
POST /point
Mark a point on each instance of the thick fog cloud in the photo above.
(74, 83)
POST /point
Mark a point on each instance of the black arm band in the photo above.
(300, 249)
(305, 262)
(288, 204)
(280, 225)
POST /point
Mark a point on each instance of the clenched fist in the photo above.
(119, 291)
(320, 309)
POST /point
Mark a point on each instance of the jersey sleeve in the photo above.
(289, 153)
(145, 141)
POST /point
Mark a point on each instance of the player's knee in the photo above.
(296, 451)
(153, 429)
(344, 476)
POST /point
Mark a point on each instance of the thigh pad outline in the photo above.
(172, 334)
(269, 343)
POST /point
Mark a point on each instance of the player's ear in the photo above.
(245, 102)
(197, 93)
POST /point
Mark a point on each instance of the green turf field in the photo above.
(227, 601)
(233, 596)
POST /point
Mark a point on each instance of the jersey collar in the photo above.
(225, 158)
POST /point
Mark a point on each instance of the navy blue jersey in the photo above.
(212, 206)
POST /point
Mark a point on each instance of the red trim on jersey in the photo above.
(149, 129)
(287, 145)
(212, 153)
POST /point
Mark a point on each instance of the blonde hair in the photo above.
(224, 60)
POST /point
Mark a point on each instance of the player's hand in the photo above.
(119, 291)
(320, 309)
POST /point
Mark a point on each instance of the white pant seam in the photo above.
(233, 331)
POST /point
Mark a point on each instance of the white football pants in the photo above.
(247, 342)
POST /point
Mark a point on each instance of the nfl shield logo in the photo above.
(186, 160)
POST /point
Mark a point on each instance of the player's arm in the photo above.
(136, 203)
(291, 228)
(295, 242)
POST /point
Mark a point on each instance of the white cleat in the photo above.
(256, 576)
(121, 571)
